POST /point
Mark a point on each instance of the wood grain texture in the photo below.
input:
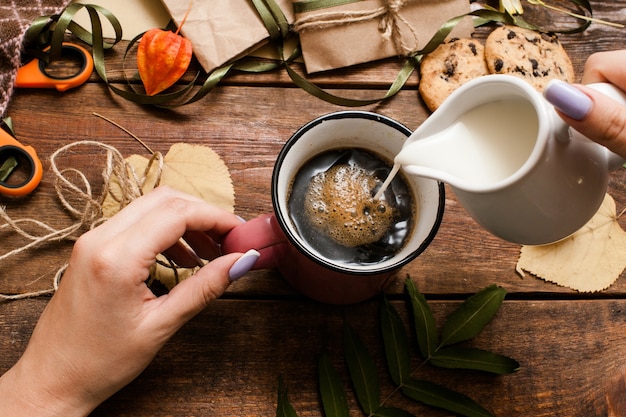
(246, 126)
(227, 361)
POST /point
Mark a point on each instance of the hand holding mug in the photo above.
(103, 326)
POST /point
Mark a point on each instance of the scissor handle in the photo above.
(34, 75)
(9, 146)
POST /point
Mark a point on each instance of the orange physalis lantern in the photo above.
(162, 58)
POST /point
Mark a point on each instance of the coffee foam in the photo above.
(339, 204)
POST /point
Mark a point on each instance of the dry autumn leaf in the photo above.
(193, 169)
(167, 275)
(588, 261)
(511, 6)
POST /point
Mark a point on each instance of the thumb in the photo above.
(595, 115)
(192, 295)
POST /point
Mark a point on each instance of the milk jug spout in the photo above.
(482, 149)
(511, 162)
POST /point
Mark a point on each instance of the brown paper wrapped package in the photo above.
(222, 30)
(370, 30)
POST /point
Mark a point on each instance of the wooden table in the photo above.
(228, 360)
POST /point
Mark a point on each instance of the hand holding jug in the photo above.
(514, 165)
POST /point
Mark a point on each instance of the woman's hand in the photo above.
(104, 325)
(590, 112)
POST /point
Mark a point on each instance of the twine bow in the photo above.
(389, 26)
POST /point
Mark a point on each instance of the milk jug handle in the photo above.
(610, 90)
(614, 161)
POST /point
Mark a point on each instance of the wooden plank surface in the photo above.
(248, 138)
(227, 361)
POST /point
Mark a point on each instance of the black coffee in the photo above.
(331, 205)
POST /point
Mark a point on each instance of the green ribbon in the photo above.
(50, 31)
(305, 6)
(9, 164)
(7, 167)
(278, 38)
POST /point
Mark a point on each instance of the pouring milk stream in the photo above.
(512, 163)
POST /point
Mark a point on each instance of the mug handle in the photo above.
(262, 234)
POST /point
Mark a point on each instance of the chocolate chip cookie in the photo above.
(448, 67)
(535, 57)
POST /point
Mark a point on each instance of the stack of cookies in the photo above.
(533, 56)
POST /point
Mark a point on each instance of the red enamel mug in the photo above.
(276, 237)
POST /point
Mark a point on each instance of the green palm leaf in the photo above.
(7, 168)
(392, 412)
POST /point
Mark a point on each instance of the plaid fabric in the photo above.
(15, 18)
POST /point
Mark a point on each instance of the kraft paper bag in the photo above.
(221, 31)
(369, 30)
(135, 16)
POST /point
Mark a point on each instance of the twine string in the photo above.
(74, 191)
(390, 16)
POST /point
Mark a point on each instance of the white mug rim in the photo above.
(284, 221)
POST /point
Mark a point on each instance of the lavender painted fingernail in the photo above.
(568, 99)
(243, 265)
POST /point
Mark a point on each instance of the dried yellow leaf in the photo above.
(511, 6)
(169, 276)
(194, 169)
(588, 261)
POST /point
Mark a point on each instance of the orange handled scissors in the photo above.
(34, 74)
(20, 167)
(15, 180)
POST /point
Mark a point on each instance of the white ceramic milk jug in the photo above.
(513, 164)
